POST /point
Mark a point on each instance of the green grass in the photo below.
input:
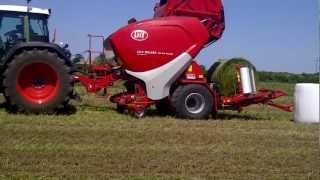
(98, 143)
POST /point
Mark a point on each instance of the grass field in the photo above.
(95, 142)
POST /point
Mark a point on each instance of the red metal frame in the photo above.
(137, 101)
(96, 83)
(263, 96)
(239, 101)
(91, 51)
(100, 76)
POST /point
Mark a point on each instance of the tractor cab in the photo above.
(22, 24)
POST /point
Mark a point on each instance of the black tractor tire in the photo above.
(164, 107)
(192, 102)
(37, 81)
(121, 109)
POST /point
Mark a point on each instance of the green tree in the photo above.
(100, 59)
(204, 69)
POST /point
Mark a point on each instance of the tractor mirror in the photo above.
(66, 46)
(54, 38)
(63, 45)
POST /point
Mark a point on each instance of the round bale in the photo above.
(224, 74)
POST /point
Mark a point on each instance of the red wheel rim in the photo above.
(38, 83)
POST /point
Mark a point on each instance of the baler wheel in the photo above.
(120, 109)
(164, 107)
(37, 81)
(192, 102)
(138, 115)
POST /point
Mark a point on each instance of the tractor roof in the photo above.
(15, 8)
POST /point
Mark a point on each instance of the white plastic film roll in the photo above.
(253, 81)
(247, 81)
(307, 103)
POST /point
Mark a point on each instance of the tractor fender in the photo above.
(62, 53)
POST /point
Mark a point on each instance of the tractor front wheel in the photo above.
(37, 81)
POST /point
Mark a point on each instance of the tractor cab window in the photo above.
(39, 28)
(11, 29)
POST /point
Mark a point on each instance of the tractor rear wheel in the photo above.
(192, 102)
(37, 81)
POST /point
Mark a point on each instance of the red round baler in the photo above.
(156, 59)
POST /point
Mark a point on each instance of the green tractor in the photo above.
(35, 74)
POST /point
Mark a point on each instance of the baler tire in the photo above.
(180, 100)
(164, 107)
(37, 81)
(139, 115)
(121, 109)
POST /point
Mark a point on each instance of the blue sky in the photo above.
(275, 35)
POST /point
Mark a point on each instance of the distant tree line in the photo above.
(288, 77)
(284, 77)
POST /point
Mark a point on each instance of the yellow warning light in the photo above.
(190, 69)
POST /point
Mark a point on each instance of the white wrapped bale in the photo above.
(307, 102)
